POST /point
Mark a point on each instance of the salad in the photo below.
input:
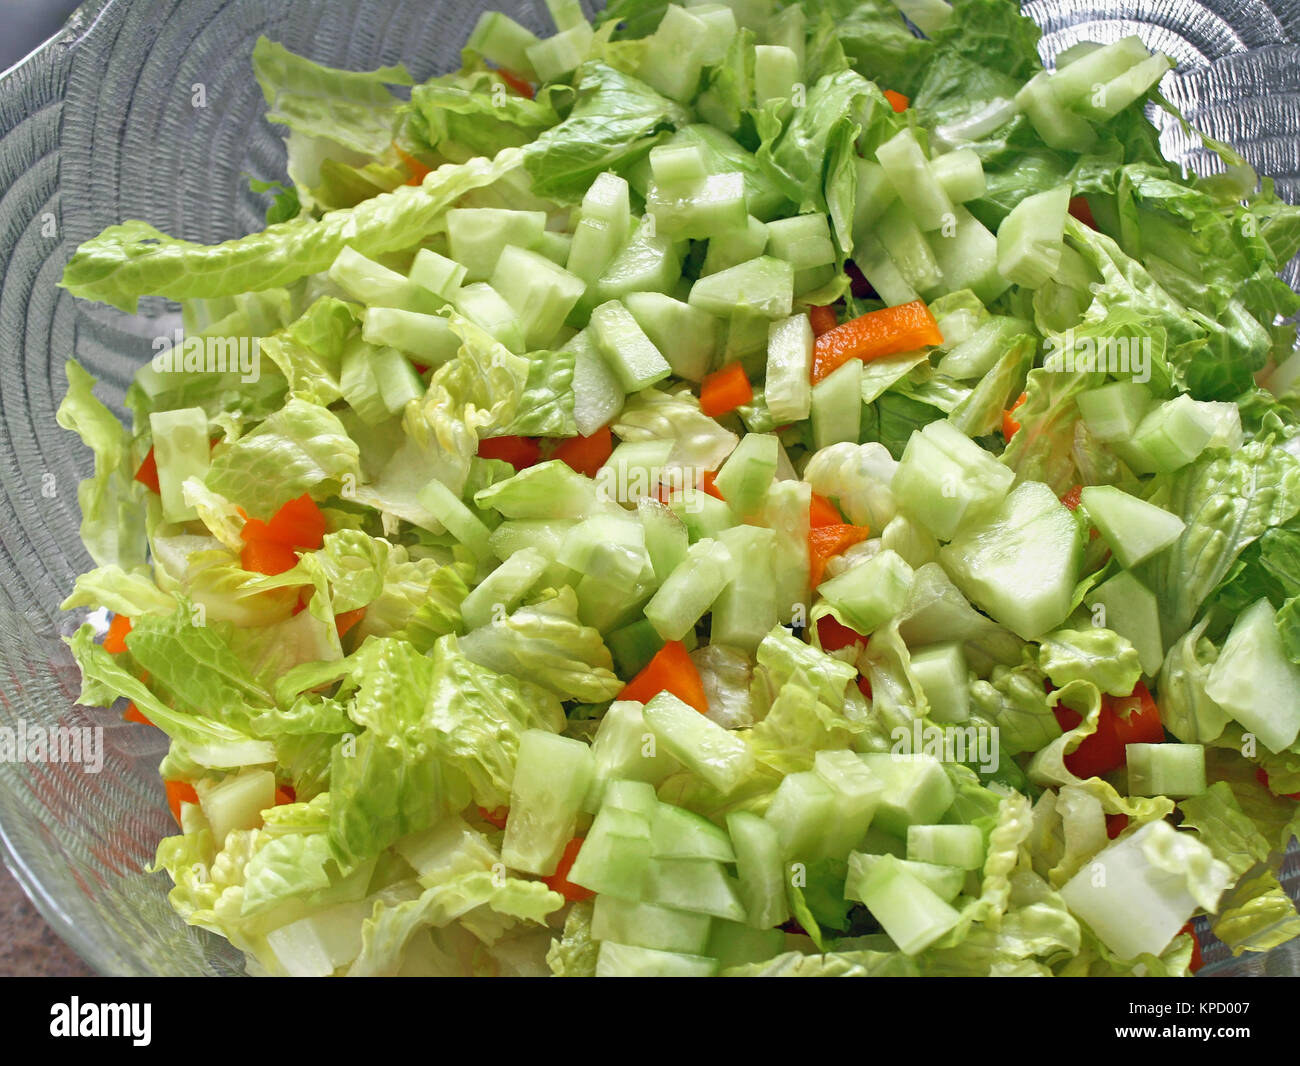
(741, 489)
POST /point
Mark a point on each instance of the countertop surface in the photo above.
(29, 947)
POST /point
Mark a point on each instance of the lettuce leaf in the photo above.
(573, 953)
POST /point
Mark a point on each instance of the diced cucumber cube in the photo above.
(776, 72)
(762, 286)
(501, 39)
(631, 355)
(1114, 412)
(746, 610)
(673, 56)
(649, 262)
(960, 174)
(687, 337)
(908, 910)
(237, 802)
(961, 846)
(1129, 608)
(1077, 80)
(598, 395)
(625, 749)
(694, 885)
(915, 790)
(1108, 100)
(478, 235)
(967, 257)
(881, 271)
(942, 674)
(909, 172)
(946, 882)
(733, 944)
(541, 293)
(1059, 127)
(1032, 236)
(552, 776)
(677, 833)
(501, 591)
(1165, 769)
(1134, 529)
(704, 516)
(747, 473)
(857, 795)
(787, 387)
(375, 285)
(734, 247)
(1021, 564)
(647, 925)
(722, 759)
(614, 858)
(760, 868)
(1255, 681)
(1174, 433)
(907, 246)
(557, 56)
(455, 517)
(721, 21)
(428, 338)
(437, 274)
(945, 478)
(869, 593)
(677, 164)
(182, 450)
(625, 960)
(802, 241)
(688, 593)
(836, 406)
(712, 205)
(875, 196)
(488, 310)
(802, 812)
(604, 222)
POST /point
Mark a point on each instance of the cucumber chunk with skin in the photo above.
(945, 881)
(857, 795)
(1254, 680)
(1165, 769)
(915, 790)
(552, 777)
(687, 337)
(1021, 563)
(1114, 412)
(694, 885)
(237, 802)
(615, 855)
(907, 909)
(802, 812)
(677, 833)
(622, 750)
(870, 593)
(477, 236)
(942, 673)
(626, 960)
(1130, 609)
(721, 758)
(630, 354)
(760, 869)
(961, 846)
(945, 478)
(1134, 529)
(647, 925)
(762, 286)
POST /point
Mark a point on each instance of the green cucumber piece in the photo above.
(1032, 237)
(666, 536)
(541, 293)
(677, 833)
(689, 591)
(1114, 412)
(968, 258)
(836, 406)
(619, 752)
(647, 925)
(945, 479)
(803, 241)
(182, 450)
(1165, 769)
(875, 196)
(1022, 563)
(961, 846)
(802, 812)
(1254, 680)
(733, 944)
(488, 310)
(1130, 609)
(1059, 127)
(762, 286)
(237, 802)
(870, 593)
(712, 205)
(630, 354)
(960, 174)
(374, 285)
(687, 337)
(598, 395)
(776, 72)
(734, 247)
(746, 610)
(649, 262)
(747, 473)
(552, 776)
(908, 910)
(879, 841)
(722, 759)
(942, 674)
(1076, 81)
(604, 223)
(1174, 433)
(881, 271)
(614, 858)
(636, 796)
(504, 41)
(760, 869)
(455, 517)
(437, 274)
(1108, 100)
(705, 517)
(787, 387)
(857, 795)
(907, 246)
(915, 790)
(562, 54)
(626, 960)
(428, 338)
(478, 235)
(502, 590)
(909, 172)
(696, 886)
(673, 58)
(678, 164)
(1134, 529)
(945, 881)
(633, 647)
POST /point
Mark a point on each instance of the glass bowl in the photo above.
(148, 109)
